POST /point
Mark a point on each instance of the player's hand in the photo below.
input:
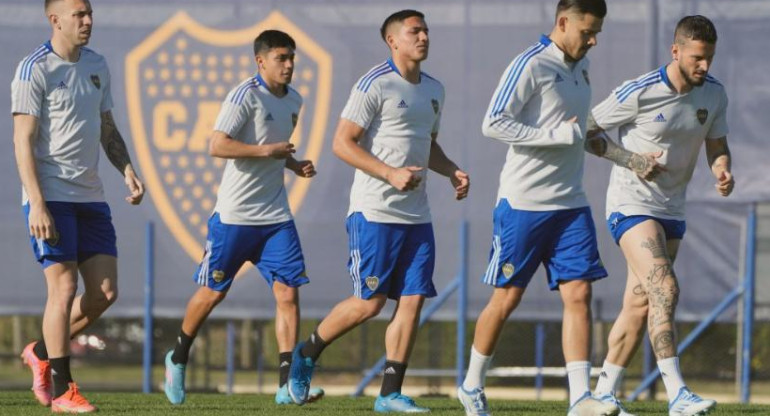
(303, 168)
(280, 150)
(725, 183)
(135, 187)
(41, 224)
(646, 165)
(462, 184)
(405, 179)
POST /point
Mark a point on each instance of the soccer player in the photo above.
(388, 132)
(252, 220)
(540, 109)
(663, 117)
(61, 105)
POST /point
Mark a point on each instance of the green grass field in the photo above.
(22, 403)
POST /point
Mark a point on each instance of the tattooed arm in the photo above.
(117, 153)
(718, 156)
(598, 143)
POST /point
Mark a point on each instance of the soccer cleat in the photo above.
(72, 402)
(474, 401)
(282, 395)
(587, 405)
(174, 384)
(610, 398)
(397, 403)
(688, 403)
(41, 374)
(300, 374)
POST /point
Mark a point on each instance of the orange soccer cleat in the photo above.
(72, 402)
(41, 374)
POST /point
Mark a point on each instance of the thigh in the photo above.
(374, 249)
(519, 241)
(646, 252)
(62, 248)
(227, 248)
(96, 235)
(574, 254)
(100, 273)
(280, 258)
(414, 267)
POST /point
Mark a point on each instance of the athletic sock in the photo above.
(40, 351)
(60, 373)
(609, 379)
(314, 346)
(672, 377)
(182, 349)
(579, 376)
(284, 364)
(477, 370)
(393, 378)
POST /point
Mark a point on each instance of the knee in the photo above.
(286, 297)
(577, 294)
(64, 292)
(214, 297)
(370, 308)
(110, 296)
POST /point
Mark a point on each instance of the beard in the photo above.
(691, 81)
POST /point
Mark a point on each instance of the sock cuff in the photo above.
(578, 365)
(614, 367)
(670, 360)
(475, 353)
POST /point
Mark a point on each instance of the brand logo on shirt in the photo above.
(702, 115)
(269, 117)
(176, 81)
(558, 78)
(61, 86)
(585, 76)
(96, 81)
(402, 104)
(660, 118)
(294, 118)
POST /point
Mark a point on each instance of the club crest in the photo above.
(585, 76)
(96, 81)
(176, 80)
(702, 115)
(372, 282)
(434, 103)
(218, 275)
(294, 118)
(508, 270)
(53, 241)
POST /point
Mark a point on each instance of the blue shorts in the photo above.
(274, 249)
(84, 229)
(564, 241)
(619, 224)
(391, 259)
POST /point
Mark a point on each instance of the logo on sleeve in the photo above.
(97, 82)
(702, 115)
(61, 86)
(402, 104)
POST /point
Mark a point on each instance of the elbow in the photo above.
(488, 127)
(214, 148)
(338, 147)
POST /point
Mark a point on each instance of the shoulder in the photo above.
(373, 76)
(31, 61)
(638, 85)
(530, 59)
(242, 91)
(432, 82)
(714, 84)
(293, 95)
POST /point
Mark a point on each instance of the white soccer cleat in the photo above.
(610, 398)
(688, 403)
(590, 406)
(474, 401)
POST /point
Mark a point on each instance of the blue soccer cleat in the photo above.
(397, 403)
(174, 385)
(588, 405)
(282, 395)
(300, 374)
(688, 403)
(610, 398)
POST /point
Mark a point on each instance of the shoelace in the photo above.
(73, 394)
(480, 401)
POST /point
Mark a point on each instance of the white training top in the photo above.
(536, 96)
(652, 116)
(252, 191)
(399, 119)
(67, 98)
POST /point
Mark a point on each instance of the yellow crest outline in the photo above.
(181, 21)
